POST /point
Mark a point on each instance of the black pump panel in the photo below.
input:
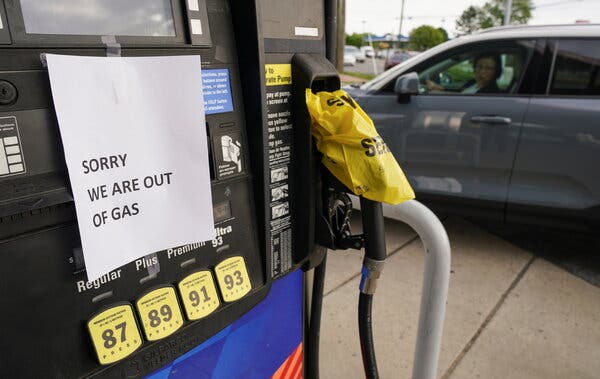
(46, 300)
(265, 204)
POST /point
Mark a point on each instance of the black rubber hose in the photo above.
(314, 328)
(375, 249)
(373, 229)
(365, 332)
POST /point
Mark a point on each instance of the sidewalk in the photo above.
(348, 79)
(509, 314)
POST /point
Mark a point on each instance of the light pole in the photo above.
(370, 44)
(507, 12)
(341, 36)
(401, 20)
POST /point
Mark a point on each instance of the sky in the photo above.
(383, 16)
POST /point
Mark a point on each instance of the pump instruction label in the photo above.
(280, 136)
(115, 334)
(217, 91)
(278, 74)
(229, 154)
(159, 312)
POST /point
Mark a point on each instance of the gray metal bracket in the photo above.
(436, 280)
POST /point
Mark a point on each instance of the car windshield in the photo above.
(350, 49)
(399, 56)
(386, 76)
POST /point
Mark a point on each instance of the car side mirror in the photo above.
(406, 85)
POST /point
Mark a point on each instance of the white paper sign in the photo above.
(134, 137)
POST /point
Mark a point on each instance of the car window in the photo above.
(473, 70)
(576, 68)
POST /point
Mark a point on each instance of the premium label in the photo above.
(199, 295)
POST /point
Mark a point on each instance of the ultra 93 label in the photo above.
(233, 278)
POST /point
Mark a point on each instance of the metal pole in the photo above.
(400, 27)
(507, 12)
(435, 285)
(373, 55)
(370, 44)
(341, 37)
(331, 28)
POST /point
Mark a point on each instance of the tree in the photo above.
(492, 14)
(424, 37)
(470, 20)
(354, 39)
(444, 34)
(520, 11)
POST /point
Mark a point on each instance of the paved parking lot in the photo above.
(366, 67)
(510, 313)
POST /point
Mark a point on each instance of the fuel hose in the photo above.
(375, 255)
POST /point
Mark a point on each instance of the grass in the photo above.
(359, 75)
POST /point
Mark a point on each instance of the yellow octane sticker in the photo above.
(278, 74)
(159, 312)
(199, 295)
(114, 333)
(233, 278)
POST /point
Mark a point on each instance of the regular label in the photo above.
(199, 295)
(233, 278)
(114, 333)
(160, 313)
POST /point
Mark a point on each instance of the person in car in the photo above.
(487, 68)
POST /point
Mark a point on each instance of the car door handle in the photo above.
(498, 120)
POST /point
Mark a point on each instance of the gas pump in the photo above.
(235, 305)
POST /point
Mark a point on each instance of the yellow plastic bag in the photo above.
(352, 149)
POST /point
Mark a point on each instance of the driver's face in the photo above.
(485, 71)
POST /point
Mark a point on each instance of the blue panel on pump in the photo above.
(217, 91)
(254, 346)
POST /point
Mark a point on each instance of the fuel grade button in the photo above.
(233, 278)
(199, 294)
(159, 313)
(115, 333)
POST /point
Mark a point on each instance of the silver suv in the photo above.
(502, 124)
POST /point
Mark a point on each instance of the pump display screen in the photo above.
(152, 18)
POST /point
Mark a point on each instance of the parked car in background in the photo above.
(368, 51)
(397, 57)
(382, 53)
(524, 148)
(353, 50)
(349, 60)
